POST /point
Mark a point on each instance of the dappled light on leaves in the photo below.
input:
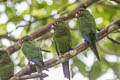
(33, 17)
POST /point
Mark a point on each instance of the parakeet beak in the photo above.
(20, 41)
(77, 13)
(52, 26)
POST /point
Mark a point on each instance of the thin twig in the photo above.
(114, 41)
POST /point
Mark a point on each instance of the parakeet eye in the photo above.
(56, 22)
(77, 13)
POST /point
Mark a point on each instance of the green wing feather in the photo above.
(55, 45)
(32, 50)
(6, 67)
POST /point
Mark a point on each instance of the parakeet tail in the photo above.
(39, 70)
(66, 69)
(94, 49)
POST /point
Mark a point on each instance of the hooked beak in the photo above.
(52, 29)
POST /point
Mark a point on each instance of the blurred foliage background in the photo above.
(21, 17)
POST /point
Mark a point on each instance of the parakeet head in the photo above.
(81, 12)
(24, 39)
(58, 26)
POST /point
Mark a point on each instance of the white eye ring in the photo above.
(52, 26)
(76, 15)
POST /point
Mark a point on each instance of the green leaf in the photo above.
(116, 68)
(81, 66)
(2, 29)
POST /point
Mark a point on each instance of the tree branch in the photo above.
(50, 63)
(8, 37)
(45, 36)
(29, 76)
(47, 27)
(109, 5)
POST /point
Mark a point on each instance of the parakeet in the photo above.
(87, 27)
(62, 42)
(32, 51)
(6, 66)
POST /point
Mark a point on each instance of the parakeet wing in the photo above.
(6, 67)
(32, 50)
(55, 45)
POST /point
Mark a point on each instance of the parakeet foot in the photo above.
(86, 41)
(43, 74)
(30, 63)
(72, 49)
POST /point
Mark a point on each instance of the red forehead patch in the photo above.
(77, 12)
(54, 23)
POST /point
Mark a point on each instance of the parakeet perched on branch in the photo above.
(32, 51)
(87, 27)
(62, 42)
(6, 66)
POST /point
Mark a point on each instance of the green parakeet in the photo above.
(87, 27)
(32, 51)
(6, 66)
(62, 42)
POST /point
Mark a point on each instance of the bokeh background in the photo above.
(21, 17)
